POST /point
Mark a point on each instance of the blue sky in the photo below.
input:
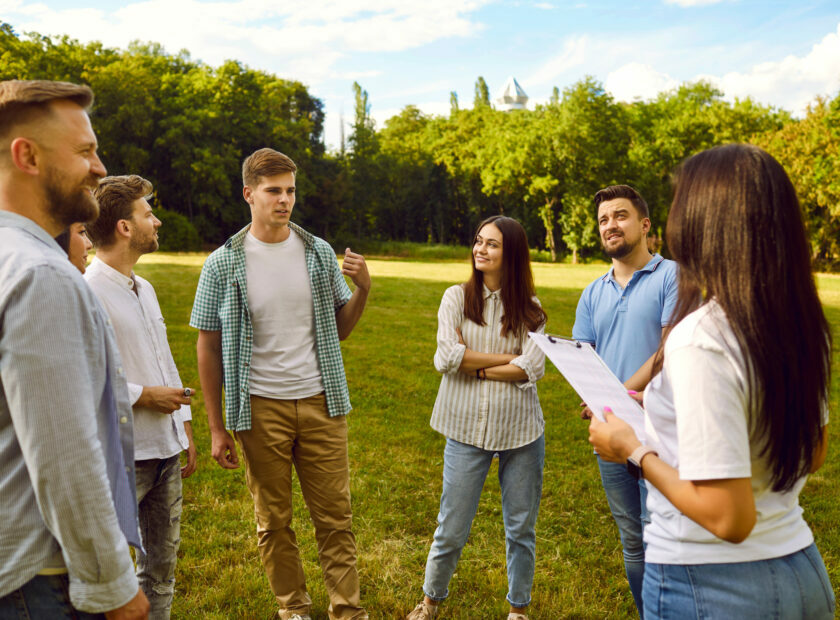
(405, 52)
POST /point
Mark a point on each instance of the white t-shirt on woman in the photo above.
(696, 419)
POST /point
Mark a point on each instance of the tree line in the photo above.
(186, 126)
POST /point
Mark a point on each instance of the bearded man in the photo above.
(125, 230)
(622, 314)
(66, 444)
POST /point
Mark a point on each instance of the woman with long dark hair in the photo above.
(736, 416)
(487, 405)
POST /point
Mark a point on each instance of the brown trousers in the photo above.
(301, 433)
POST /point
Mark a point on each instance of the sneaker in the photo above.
(423, 612)
(517, 617)
(299, 617)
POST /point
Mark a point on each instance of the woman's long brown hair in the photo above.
(521, 312)
(736, 230)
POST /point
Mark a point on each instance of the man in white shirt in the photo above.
(125, 230)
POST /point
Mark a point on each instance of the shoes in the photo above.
(423, 612)
(517, 617)
(299, 617)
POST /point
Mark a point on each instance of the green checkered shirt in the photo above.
(221, 304)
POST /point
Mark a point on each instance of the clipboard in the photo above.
(590, 377)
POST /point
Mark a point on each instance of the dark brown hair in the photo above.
(265, 163)
(622, 191)
(521, 312)
(116, 196)
(21, 101)
(736, 230)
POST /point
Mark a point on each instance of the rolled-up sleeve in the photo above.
(205, 311)
(532, 361)
(450, 352)
(340, 291)
(49, 386)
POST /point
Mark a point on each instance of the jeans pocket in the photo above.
(814, 557)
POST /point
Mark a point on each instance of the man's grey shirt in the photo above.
(66, 444)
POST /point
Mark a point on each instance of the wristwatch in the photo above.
(634, 461)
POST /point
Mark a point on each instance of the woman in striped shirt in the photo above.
(487, 405)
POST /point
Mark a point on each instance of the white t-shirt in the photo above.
(696, 419)
(284, 362)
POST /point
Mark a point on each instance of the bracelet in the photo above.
(480, 374)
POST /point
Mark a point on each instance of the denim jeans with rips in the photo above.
(159, 499)
(465, 469)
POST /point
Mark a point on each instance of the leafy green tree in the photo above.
(809, 150)
(482, 94)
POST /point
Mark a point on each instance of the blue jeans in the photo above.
(159, 501)
(627, 497)
(43, 598)
(465, 469)
(795, 586)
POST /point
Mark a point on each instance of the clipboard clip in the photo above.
(554, 339)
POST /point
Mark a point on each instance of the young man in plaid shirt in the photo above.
(271, 307)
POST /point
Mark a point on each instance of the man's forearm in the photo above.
(350, 313)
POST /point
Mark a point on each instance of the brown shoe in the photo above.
(423, 612)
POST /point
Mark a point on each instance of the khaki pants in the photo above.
(301, 433)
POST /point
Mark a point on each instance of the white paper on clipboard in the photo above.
(590, 377)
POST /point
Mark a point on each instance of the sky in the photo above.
(406, 52)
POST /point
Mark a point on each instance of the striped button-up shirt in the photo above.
(66, 443)
(492, 415)
(221, 304)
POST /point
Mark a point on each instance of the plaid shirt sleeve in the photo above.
(205, 312)
(341, 292)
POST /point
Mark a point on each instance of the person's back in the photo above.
(738, 406)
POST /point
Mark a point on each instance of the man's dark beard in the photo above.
(621, 251)
(68, 208)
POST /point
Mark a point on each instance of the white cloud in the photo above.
(573, 55)
(792, 82)
(637, 81)
(688, 3)
(546, 6)
(303, 39)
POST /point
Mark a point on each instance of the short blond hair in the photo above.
(21, 101)
(265, 163)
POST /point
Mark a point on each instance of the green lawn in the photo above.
(396, 462)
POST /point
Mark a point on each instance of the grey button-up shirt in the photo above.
(66, 445)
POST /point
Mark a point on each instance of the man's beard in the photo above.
(621, 250)
(144, 246)
(69, 206)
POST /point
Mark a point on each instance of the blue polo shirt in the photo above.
(625, 325)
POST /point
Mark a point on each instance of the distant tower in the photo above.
(511, 97)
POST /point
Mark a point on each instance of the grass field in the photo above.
(396, 462)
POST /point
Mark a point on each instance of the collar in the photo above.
(97, 265)
(487, 293)
(651, 265)
(237, 241)
(14, 220)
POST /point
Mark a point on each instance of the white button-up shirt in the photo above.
(147, 360)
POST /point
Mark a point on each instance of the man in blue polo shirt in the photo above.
(622, 315)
